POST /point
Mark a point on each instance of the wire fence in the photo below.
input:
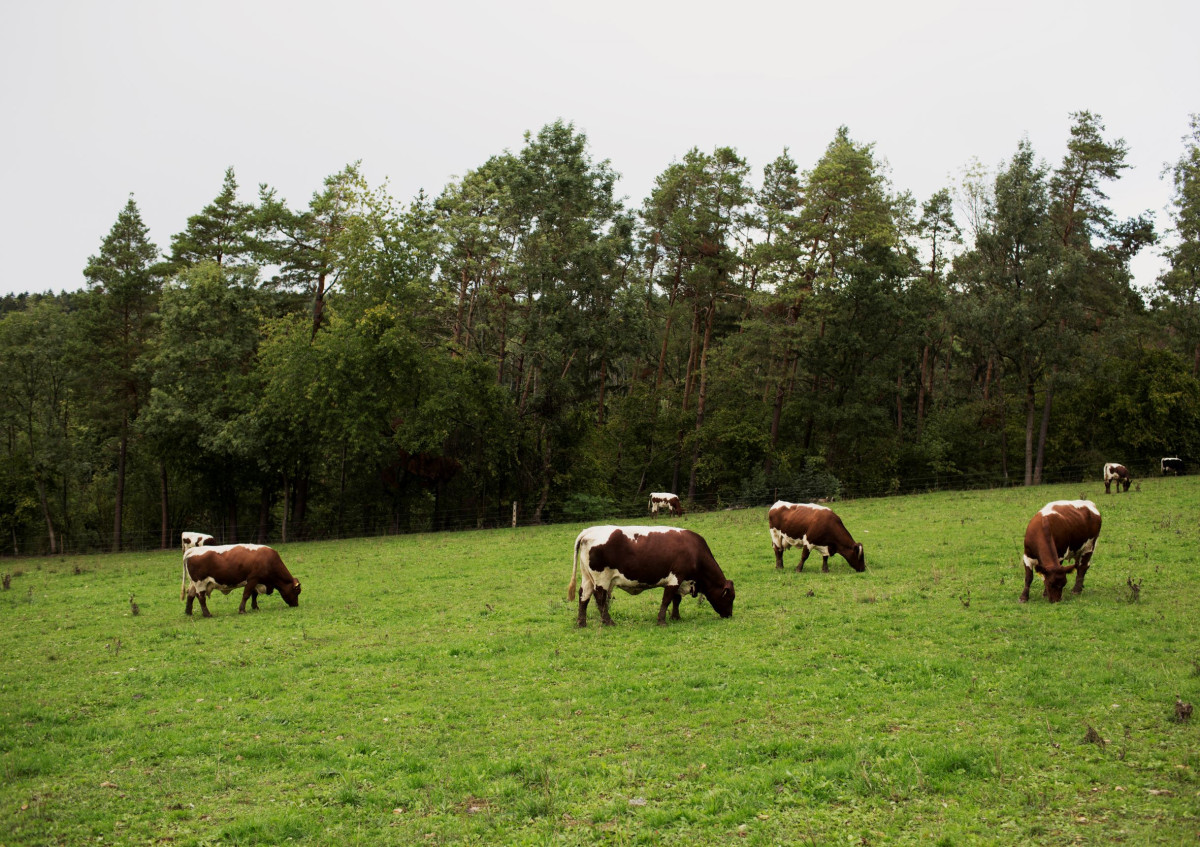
(588, 510)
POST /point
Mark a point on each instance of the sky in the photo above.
(100, 100)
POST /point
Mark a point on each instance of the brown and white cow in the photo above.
(812, 527)
(1118, 474)
(194, 539)
(256, 568)
(635, 558)
(1062, 530)
(665, 500)
(1171, 465)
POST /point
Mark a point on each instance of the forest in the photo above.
(527, 347)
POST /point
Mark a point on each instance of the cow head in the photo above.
(721, 598)
(1056, 581)
(290, 592)
(856, 558)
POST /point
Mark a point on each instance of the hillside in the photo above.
(433, 689)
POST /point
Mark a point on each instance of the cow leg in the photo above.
(247, 594)
(670, 593)
(1085, 562)
(778, 557)
(803, 556)
(675, 607)
(824, 564)
(581, 621)
(187, 610)
(1028, 582)
(1108, 487)
(602, 598)
(204, 605)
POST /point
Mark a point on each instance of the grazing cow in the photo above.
(634, 558)
(256, 568)
(665, 500)
(812, 527)
(194, 539)
(1118, 474)
(1062, 530)
(1172, 465)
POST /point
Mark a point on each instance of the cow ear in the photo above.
(728, 588)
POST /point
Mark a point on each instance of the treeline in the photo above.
(359, 365)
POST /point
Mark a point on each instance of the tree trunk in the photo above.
(162, 485)
(921, 388)
(708, 325)
(1041, 445)
(286, 505)
(122, 449)
(900, 406)
(547, 467)
(41, 490)
(318, 304)
(1030, 409)
(600, 405)
(264, 514)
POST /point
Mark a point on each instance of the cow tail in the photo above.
(183, 587)
(574, 570)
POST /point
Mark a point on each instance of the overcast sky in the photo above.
(102, 99)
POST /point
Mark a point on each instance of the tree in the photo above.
(119, 319)
(1179, 284)
(220, 233)
(305, 244)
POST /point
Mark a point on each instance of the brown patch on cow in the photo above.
(237, 565)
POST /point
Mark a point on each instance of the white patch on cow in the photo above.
(1030, 564)
(219, 549)
(784, 504)
(1050, 508)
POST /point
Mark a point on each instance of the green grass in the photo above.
(433, 689)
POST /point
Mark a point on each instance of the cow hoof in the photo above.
(208, 614)
(608, 623)
(1023, 599)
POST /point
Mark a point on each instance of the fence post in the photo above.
(514, 522)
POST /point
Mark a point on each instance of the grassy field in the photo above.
(433, 689)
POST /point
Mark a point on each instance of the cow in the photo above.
(635, 558)
(194, 539)
(1172, 465)
(812, 527)
(665, 500)
(1118, 474)
(254, 567)
(1062, 530)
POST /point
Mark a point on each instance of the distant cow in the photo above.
(812, 527)
(254, 567)
(665, 500)
(1172, 465)
(194, 539)
(634, 558)
(1062, 530)
(1118, 474)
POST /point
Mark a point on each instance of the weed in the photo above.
(1093, 737)
(7, 581)
(1135, 589)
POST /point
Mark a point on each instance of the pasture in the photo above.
(433, 689)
